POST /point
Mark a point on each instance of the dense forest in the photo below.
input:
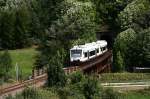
(37, 34)
(57, 25)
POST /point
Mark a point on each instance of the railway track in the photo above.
(42, 78)
(22, 85)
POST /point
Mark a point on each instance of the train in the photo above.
(82, 53)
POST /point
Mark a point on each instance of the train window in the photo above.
(103, 48)
(92, 53)
(85, 54)
(97, 50)
(76, 53)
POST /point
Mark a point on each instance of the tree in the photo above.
(2, 3)
(119, 66)
(5, 64)
(107, 11)
(21, 27)
(132, 13)
(43, 13)
(15, 32)
(2, 72)
(107, 17)
(106, 14)
(122, 42)
(134, 48)
(6, 31)
(56, 74)
(138, 53)
(76, 26)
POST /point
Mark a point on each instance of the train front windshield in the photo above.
(76, 53)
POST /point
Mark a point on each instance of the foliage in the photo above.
(124, 39)
(63, 93)
(122, 42)
(132, 13)
(119, 66)
(104, 8)
(135, 16)
(25, 59)
(43, 13)
(56, 75)
(27, 23)
(110, 94)
(15, 30)
(30, 93)
(107, 13)
(87, 88)
(48, 11)
(49, 94)
(138, 53)
(124, 77)
(76, 77)
(76, 26)
(5, 64)
(90, 88)
(79, 19)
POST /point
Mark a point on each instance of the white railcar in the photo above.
(90, 50)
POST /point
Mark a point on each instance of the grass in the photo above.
(25, 59)
(124, 77)
(47, 94)
(43, 93)
(137, 96)
(128, 77)
(140, 94)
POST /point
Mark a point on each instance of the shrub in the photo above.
(30, 93)
(110, 94)
(76, 77)
(63, 93)
(90, 87)
(5, 64)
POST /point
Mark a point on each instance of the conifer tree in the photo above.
(56, 74)
(120, 63)
(5, 64)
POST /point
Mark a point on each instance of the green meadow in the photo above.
(25, 59)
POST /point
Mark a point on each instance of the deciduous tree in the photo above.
(122, 42)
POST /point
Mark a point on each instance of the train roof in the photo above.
(90, 46)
